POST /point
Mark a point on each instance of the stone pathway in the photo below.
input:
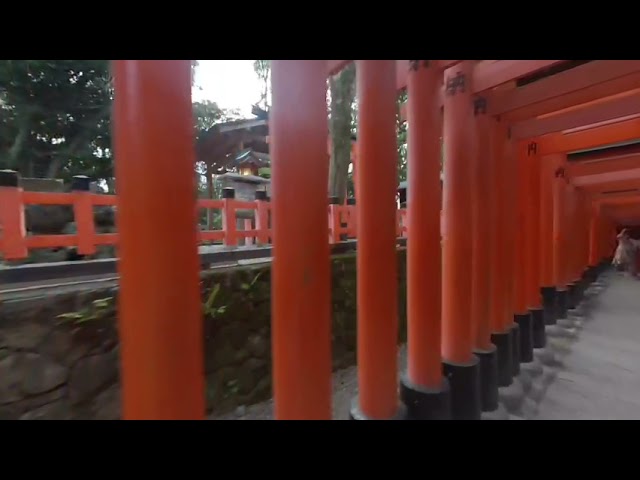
(600, 377)
(591, 369)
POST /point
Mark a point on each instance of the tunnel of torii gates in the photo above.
(525, 226)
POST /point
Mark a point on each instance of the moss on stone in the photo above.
(237, 329)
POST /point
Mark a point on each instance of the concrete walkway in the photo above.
(600, 379)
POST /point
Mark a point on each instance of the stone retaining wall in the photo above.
(54, 367)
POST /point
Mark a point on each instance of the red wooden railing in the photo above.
(15, 243)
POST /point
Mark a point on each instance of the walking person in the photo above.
(626, 251)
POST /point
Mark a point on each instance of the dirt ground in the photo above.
(345, 388)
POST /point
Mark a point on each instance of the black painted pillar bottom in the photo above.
(585, 279)
(504, 352)
(549, 304)
(356, 414)
(464, 380)
(539, 337)
(488, 378)
(515, 339)
(561, 303)
(425, 403)
(572, 295)
(592, 272)
(525, 324)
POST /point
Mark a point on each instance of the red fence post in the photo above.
(229, 218)
(83, 215)
(335, 221)
(262, 217)
(12, 224)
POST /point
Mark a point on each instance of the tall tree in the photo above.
(263, 70)
(341, 122)
(55, 118)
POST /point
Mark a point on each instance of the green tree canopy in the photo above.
(55, 117)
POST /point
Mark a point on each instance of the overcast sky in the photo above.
(232, 84)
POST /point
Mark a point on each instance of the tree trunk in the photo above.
(343, 93)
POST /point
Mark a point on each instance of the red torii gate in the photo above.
(485, 165)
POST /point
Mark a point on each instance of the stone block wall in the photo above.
(54, 367)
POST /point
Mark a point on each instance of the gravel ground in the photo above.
(345, 388)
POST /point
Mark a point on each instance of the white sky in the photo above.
(229, 83)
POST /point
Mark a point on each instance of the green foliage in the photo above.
(248, 286)
(401, 128)
(55, 117)
(209, 309)
(98, 310)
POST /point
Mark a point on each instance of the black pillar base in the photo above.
(424, 403)
(561, 303)
(488, 378)
(572, 293)
(525, 325)
(539, 337)
(504, 352)
(586, 279)
(514, 331)
(549, 304)
(356, 414)
(465, 389)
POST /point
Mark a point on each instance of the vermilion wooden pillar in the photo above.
(461, 366)
(482, 225)
(160, 314)
(559, 239)
(582, 261)
(595, 247)
(501, 275)
(572, 247)
(549, 166)
(301, 297)
(533, 246)
(521, 273)
(510, 231)
(423, 389)
(376, 254)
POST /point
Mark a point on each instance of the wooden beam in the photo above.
(402, 69)
(623, 214)
(574, 170)
(487, 74)
(619, 200)
(598, 187)
(490, 73)
(562, 90)
(622, 105)
(597, 180)
(591, 138)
